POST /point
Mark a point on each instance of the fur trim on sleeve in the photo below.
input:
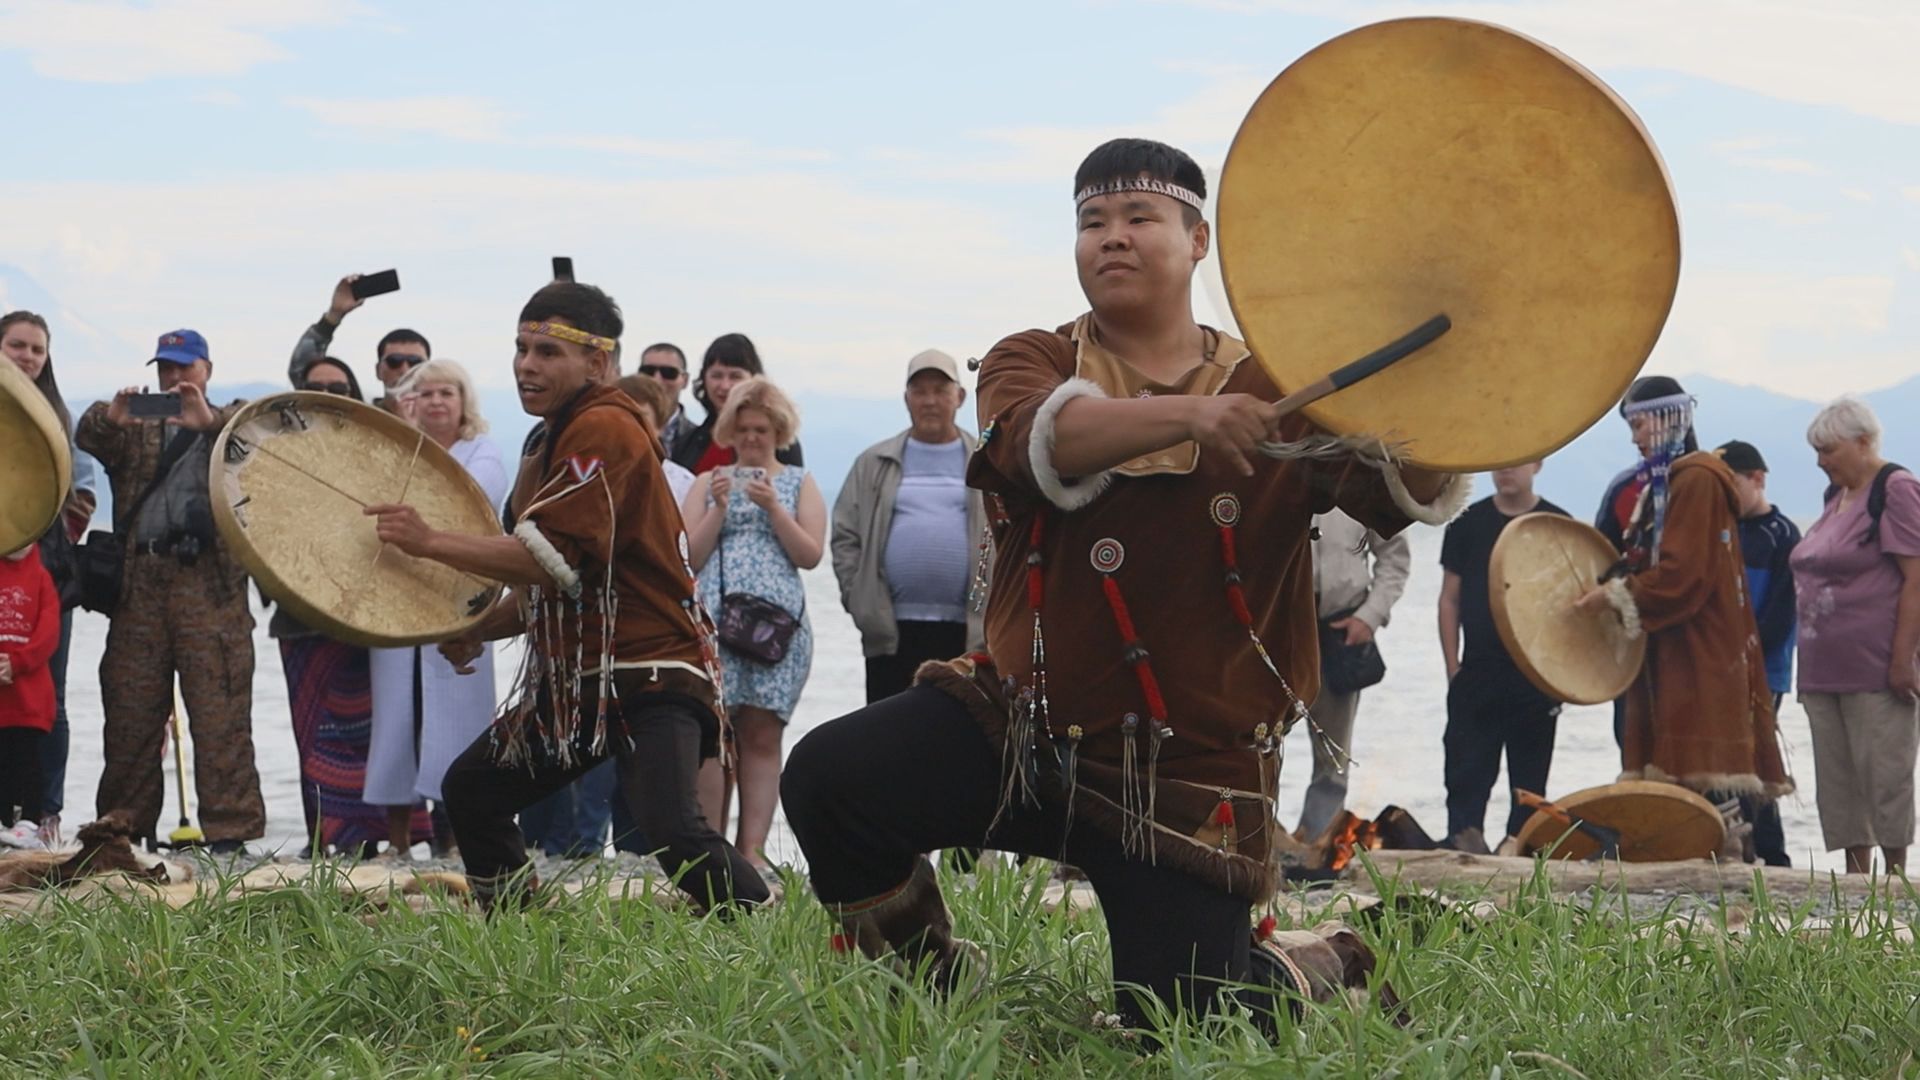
(549, 557)
(1040, 450)
(1621, 598)
(1445, 506)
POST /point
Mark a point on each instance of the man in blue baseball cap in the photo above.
(182, 608)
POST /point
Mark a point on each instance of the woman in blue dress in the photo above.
(751, 528)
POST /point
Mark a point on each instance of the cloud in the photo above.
(836, 296)
(1853, 54)
(465, 119)
(1910, 258)
(1857, 194)
(469, 119)
(1778, 213)
(1804, 334)
(1741, 152)
(117, 41)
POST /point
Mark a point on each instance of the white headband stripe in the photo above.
(1157, 187)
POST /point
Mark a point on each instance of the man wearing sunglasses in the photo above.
(397, 354)
(668, 364)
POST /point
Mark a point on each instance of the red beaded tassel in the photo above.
(1237, 603)
(1107, 556)
(1223, 817)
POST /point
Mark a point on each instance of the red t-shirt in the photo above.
(29, 634)
(714, 457)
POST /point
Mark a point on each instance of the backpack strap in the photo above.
(1877, 501)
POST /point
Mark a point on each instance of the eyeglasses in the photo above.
(399, 360)
(663, 372)
(340, 388)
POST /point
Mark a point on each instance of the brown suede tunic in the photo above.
(1159, 541)
(592, 495)
(1700, 713)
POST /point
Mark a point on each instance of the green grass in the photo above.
(294, 983)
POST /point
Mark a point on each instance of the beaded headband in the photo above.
(1140, 183)
(569, 333)
(1659, 404)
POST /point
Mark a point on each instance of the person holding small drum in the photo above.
(753, 527)
(1857, 575)
(424, 712)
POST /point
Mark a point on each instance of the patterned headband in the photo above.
(1671, 402)
(568, 333)
(1158, 187)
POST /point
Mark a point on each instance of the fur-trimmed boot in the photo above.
(911, 922)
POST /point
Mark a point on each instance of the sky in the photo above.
(847, 184)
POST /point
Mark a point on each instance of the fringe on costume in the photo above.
(1621, 598)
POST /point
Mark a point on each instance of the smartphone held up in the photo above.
(379, 284)
(144, 406)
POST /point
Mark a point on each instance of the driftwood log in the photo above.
(1453, 871)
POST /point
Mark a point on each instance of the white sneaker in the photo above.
(24, 835)
(50, 830)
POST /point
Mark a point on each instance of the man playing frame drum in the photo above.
(1142, 658)
(619, 662)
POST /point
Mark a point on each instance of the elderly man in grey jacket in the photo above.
(1358, 575)
(905, 530)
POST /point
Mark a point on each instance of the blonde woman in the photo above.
(752, 527)
(424, 713)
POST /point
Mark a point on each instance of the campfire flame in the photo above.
(1353, 834)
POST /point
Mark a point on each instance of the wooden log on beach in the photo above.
(1453, 871)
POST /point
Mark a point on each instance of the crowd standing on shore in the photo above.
(377, 730)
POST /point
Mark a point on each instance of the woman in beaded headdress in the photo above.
(1150, 625)
(1700, 713)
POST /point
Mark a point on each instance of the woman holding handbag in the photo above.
(751, 528)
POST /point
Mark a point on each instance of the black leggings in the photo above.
(867, 793)
(657, 762)
(22, 784)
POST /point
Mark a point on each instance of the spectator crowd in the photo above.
(1733, 598)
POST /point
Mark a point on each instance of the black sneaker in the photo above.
(228, 847)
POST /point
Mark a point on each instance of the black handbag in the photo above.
(101, 562)
(1344, 668)
(753, 626)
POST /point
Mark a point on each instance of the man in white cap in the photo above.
(904, 533)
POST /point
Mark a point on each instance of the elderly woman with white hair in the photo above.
(1858, 576)
(425, 713)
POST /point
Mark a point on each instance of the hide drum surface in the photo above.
(291, 476)
(1541, 564)
(1431, 165)
(1657, 823)
(35, 466)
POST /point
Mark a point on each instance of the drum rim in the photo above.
(239, 541)
(25, 394)
(1575, 801)
(1319, 413)
(1503, 621)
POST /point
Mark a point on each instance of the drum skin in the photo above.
(1541, 564)
(1435, 165)
(291, 475)
(36, 468)
(1657, 822)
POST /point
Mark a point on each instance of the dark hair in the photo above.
(403, 336)
(733, 350)
(49, 386)
(650, 392)
(353, 381)
(1648, 387)
(585, 306)
(1129, 159)
(666, 346)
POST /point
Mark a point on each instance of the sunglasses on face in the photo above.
(340, 388)
(663, 372)
(400, 360)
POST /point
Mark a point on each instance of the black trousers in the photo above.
(1769, 833)
(867, 793)
(1489, 714)
(22, 783)
(657, 761)
(919, 643)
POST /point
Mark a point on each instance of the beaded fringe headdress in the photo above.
(1672, 417)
